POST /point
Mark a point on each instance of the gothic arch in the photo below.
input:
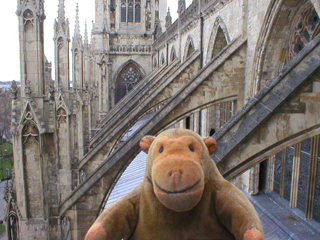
(60, 41)
(127, 76)
(189, 47)
(162, 60)
(28, 16)
(130, 11)
(275, 44)
(155, 63)
(173, 54)
(13, 226)
(62, 115)
(219, 38)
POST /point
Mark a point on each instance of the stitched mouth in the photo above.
(180, 191)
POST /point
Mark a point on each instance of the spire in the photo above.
(86, 41)
(61, 12)
(77, 24)
(168, 19)
(181, 6)
(93, 26)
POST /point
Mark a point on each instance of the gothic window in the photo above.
(220, 42)
(155, 63)
(131, 11)
(65, 229)
(60, 42)
(61, 115)
(190, 48)
(173, 55)
(138, 11)
(162, 59)
(126, 80)
(123, 11)
(13, 227)
(226, 111)
(296, 176)
(28, 16)
(307, 28)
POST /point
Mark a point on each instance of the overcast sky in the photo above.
(9, 41)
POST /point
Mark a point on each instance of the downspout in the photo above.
(201, 34)
(201, 39)
(167, 54)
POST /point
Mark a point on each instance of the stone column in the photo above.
(312, 176)
(283, 173)
(270, 173)
(254, 180)
(196, 122)
(295, 176)
(204, 123)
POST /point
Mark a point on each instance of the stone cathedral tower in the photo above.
(121, 40)
(33, 128)
(52, 125)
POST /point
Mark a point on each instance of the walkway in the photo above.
(279, 222)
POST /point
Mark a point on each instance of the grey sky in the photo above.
(9, 41)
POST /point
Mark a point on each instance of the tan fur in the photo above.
(183, 196)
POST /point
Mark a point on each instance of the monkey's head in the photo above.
(178, 165)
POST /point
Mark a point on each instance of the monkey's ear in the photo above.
(211, 144)
(145, 143)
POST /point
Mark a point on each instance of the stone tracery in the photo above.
(129, 76)
(305, 30)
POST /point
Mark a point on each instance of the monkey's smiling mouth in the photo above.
(180, 191)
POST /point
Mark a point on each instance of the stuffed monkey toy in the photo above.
(183, 196)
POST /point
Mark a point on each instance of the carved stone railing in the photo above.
(185, 19)
(131, 48)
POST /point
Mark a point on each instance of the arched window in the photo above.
(123, 11)
(129, 76)
(155, 62)
(220, 42)
(137, 11)
(190, 48)
(173, 54)
(306, 29)
(162, 59)
(13, 227)
(131, 11)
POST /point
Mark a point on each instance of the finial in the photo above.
(181, 6)
(93, 26)
(51, 90)
(77, 24)
(14, 89)
(168, 19)
(61, 11)
(86, 41)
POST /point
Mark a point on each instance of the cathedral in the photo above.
(246, 72)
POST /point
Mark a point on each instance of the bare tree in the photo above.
(5, 113)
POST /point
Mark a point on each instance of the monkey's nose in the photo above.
(175, 173)
(175, 177)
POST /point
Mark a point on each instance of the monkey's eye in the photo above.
(191, 148)
(161, 149)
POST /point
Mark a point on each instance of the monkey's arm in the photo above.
(237, 213)
(117, 221)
